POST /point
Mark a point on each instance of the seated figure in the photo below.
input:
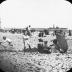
(5, 39)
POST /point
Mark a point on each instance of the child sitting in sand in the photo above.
(9, 41)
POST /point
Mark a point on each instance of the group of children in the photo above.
(60, 43)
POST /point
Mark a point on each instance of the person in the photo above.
(25, 41)
(61, 42)
(9, 41)
(28, 30)
(29, 27)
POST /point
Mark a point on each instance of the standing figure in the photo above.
(28, 32)
(61, 42)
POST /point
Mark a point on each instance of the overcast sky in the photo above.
(37, 13)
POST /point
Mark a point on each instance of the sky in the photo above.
(37, 13)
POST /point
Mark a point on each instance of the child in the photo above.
(61, 42)
(7, 40)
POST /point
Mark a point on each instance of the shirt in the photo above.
(8, 40)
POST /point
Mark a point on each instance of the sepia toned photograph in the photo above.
(35, 36)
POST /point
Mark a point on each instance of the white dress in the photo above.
(8, 40)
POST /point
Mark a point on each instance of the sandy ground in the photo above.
(35, 62)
